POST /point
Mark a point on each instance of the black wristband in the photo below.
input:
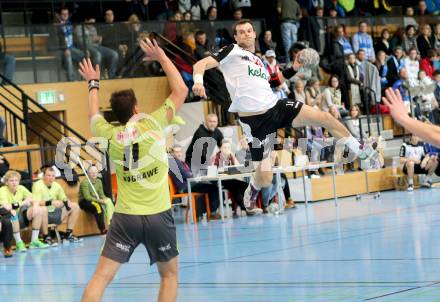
(288, 73)
(66, 205)
(15, 206)
(48, 203)
(93, 84)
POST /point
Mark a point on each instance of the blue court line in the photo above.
(403, 291)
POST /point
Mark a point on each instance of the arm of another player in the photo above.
(92, 76)
(179, 91)
(198, 70)
(426, 132)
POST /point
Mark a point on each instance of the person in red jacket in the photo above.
(427, 64)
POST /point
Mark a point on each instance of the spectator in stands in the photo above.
(437, 36)
(313, 93)
(206, 5)
(332, 99)
(299, 91)
(138, 7)
(206, 131)
(180, 181)
(8, 63)
(111, 35)
(309, 30)
(427, 64)
(322, 28)
(409, 17)
(401, 85)
(133, 30)
(381, 64)
(341, 45)
(437, 89)
(87, 38)
(6, 232)
(353, 123)
(411, 63)
(271, 64)
(237, 14)
(429, 102)
(266, 43)
(71, 54)
(424, 40)
(410, 38)
(203, 46)
(192, 6)
(18, 200)
(384, 42)
(290, 13)
(48, 192)
(354, 79)
(187, 16)
(416, 161)
(212, 13)
(99, 206)
(244, 5)
(235, 187)
(395, 63)
(422, 9)
(362, 40)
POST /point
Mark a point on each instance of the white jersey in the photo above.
(247, 80)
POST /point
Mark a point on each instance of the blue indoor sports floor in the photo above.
(368, 250)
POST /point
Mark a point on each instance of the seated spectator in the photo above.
(428, 100)
(424, 40)
(111, 34)
(87, 38)
(235, 187)
(70, 52)
(99, 206)
(398, 38)
(187, 16)
(180, 181)
(313, 93)
(400, 85)
(6, 232)
(411, 63)
(18, 200)
(437, 36)
(212, 13)
(341, 45)
(395, 63)
(191, 6)
(422, 9)
(409, 17)
(410, 38)
(332, 101)
(416, 161)
(353, 123)
(8, 63)
(354, 79)
(4, 168)
(280, 89)
(237, 14)
(427, 64)
(208, 130)
(384, 42)
(48, 192)
(206, 5)
(203, 45)
(299, 92)
(381, 65)
(266, 43)
(362, 40)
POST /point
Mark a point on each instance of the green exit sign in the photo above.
(47, 97)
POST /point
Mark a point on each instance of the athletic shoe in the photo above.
(427, 184)
(315, 176)
(73, 239)
(50, 242)
(216, 216)
(250, 196)
(254, 211)
(290, 204)
(20, 247)
(37, 244)
(410, 188)
(7, 253)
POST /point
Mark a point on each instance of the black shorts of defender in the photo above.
(263, 127)
(156, 232)
(417, 170)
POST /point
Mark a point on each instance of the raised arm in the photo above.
(198, 70)
(92, 76)
(428, 133)
(153, 52)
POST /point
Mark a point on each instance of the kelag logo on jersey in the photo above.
(257, 72)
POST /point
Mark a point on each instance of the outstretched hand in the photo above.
(394, 101)
(152, 50)
(87, 71)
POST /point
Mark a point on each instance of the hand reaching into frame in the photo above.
(152, 50)
(87, 71)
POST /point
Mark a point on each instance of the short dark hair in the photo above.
(241, 22)
(44, 169)
(436, 73)
(362, 22)
(122, 103)
(431, 53)
(63, 8)
(334, 76)
(199, 33)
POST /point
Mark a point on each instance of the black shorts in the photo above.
(263, 127)
(55, 216)
(22, 218)
(417, 170)
(156, 232)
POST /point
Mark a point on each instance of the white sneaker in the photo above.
(410, 188)
(315, 176)
(253, 211)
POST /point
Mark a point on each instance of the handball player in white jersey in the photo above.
(259, 111)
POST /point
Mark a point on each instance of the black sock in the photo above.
(68, 232)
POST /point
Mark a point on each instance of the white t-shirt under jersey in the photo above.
(247, 80)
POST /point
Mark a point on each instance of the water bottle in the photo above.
(204, 217)
(273, 208)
